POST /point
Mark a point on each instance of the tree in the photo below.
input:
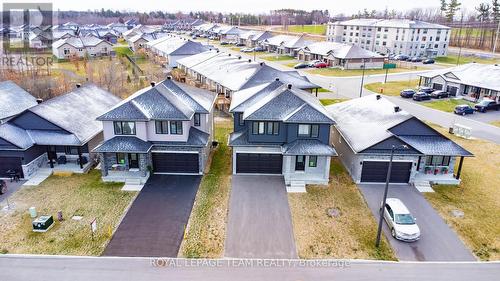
(452, 9)
(443, 7)
(495, 10)
(483, 16)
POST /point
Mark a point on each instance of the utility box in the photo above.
(43, 223)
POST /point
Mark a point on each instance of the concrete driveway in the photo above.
(154, 225)
(260, 223)
(438, 241)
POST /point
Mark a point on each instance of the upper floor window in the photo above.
(273, 128)
(241, 122)
(258, 128)
(124, 128)
(308, 130)
(176, 127)
(161, 127)
(197, 119)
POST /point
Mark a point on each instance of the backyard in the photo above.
(351, 234)
(452, 59)
(478, 197)
(392, 88)
(326, 102)
(357, 72)
(206, 230)
(319, 29)
(76, 195)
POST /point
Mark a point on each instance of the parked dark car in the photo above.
(401, 57)
(428, 61)
(301, 65)
(425, 89)
(439, 94)
(486, 105)
(420, 96)
(463, 109)
(259, 49)
(3, 187)
(320, 65)
(240, 45)
(408, 93)
(224, 43)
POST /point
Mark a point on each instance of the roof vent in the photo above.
(217, 50)
(249, 60)
(378, 97)
(229, 55)
(39, 101)
(261, 64)
(78, 85)
(397, 109)
(289, 86)
(239, 57)
(277, 79)
(169, 77)
(152, 84)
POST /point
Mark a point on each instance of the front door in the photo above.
(133, 161)
(300, 163)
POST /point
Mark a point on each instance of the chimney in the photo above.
(39, 101)
(396, 109)
(378, 97)
(153, 83)
(289, 86)
(78, 85)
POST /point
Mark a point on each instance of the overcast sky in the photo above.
(252, 6)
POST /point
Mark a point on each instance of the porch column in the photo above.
(420, 81)
(51, 161)
(459, 167)
(80, 157)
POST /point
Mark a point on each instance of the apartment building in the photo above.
(392, 36)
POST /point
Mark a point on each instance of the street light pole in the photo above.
(362, 79)
(387, 179)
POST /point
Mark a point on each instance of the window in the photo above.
(120, 158)
(71, 150)
(258, 128)
(124, 128)
(241, 122)
(313, 161)
(300, 163)
(176, 127)
(273, 128)
(161, 127)
(307, 130)
(197, 119)
(437, 160)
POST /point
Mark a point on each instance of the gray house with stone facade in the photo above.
(163, 129)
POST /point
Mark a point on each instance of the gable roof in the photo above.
(14, 99)
(367, 121)
(168, 100)
(175, 45)
(280, 102)
(339, 50)
(80, 42)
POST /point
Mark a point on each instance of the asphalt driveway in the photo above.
(438, 241)
(154, 224)
(260, 223)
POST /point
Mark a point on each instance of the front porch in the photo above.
(125, 167)
(437, 179)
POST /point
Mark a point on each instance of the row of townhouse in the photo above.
(392, 36)
(167, 128)
(170, 48)
(183, 24)
(80, 47)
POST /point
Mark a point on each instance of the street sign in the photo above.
(389, 65)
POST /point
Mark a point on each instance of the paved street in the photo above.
(154, 225)
(19, 268)
(438, 241)
(260, 223)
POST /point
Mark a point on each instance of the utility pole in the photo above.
(460, 39)
(496, 37)
(362, 79)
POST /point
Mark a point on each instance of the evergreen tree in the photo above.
(443, 7)
(452, 9)
(495, 10)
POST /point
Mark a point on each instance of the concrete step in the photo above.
(423, 186)
(133, 181)
(296, 186)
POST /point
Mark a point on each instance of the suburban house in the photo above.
(183, 24)
(58, 133)
(205, 28)
(367, 128)
(285, 44)
(253, 38)
(225, 74)
(166, 128)
(392, 36)
(341, 55)
(13, 100)
(139, 41)
(229, 33)
(137, 30)
(172, 48)
(119, 28)
(473, 81)
(280, 129)
(40, 40)
(108, 34)
(80, 47)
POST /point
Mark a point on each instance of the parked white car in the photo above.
(313, 62)
(400, 221)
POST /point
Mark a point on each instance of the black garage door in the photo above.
(259, 163)
(376, 171)
(175, 163)
(10, 163)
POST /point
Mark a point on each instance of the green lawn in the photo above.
(83, 195)
(452, 59)
(474, 32)
(277, 58)
(477, 196)
(495, 123)
(331, 101)
(357, 72)
(392, 88)
(447, 105)
(123, 50)
(311, 29)
(206, 229)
